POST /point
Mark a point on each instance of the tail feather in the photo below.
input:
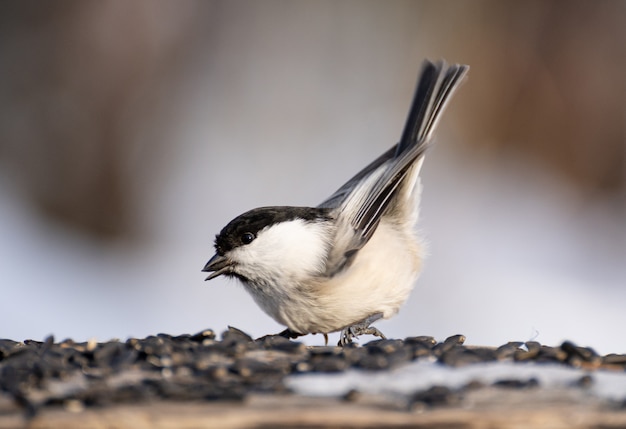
(431, 97)
(420, 106)
(361, 202)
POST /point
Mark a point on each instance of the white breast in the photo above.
(379, 281)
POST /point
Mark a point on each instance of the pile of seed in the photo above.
(35, 374)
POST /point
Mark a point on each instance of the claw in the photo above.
(349, 333)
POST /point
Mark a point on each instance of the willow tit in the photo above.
(354, 258)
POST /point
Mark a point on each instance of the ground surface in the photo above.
(236, 382)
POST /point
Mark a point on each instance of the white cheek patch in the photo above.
(288, 249)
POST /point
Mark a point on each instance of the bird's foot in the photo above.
(349, 333)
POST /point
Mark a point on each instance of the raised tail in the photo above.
(361, 201)
(426, 108)
(433, 92)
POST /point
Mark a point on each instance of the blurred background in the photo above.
(132, 132)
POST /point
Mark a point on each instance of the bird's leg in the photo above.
(349, 333)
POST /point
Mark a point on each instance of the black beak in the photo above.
(219, 265)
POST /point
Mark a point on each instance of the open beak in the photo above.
(218, 265)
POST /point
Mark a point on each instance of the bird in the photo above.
(354, 258)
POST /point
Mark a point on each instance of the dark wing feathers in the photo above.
(431, 97)
(434, 90)
(346, 189)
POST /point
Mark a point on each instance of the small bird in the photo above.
(354, 258)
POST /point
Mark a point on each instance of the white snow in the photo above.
(422, 374)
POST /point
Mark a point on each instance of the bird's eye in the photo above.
(247, 237)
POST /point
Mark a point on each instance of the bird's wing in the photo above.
(362, 200)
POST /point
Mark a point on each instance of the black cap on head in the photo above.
(244, 228)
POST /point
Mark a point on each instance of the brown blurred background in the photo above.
(87, 86)
(147, 125)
